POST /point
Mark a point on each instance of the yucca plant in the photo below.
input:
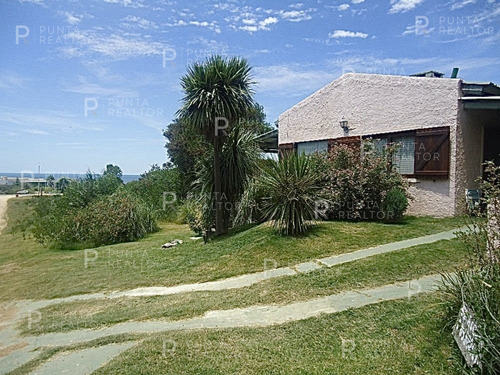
(217, 88)
(239, 161)
(291, 188)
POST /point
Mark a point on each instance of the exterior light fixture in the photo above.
(344, 124)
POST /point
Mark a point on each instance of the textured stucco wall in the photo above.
(375, 104)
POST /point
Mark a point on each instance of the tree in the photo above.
(50, 181)
(185, 147)
(62, 184)
(113, 170)
(217, 94)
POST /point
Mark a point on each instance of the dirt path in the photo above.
(3, 210)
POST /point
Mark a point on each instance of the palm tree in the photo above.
(218, 88)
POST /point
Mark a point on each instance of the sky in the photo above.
(87, 83)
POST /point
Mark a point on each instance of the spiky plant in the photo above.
(291, 189)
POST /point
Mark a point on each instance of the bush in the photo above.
(357, 186)
(395, 204)
(290, 189)
(478, 285)
(116, 218)
(93, 211)
(151, 187)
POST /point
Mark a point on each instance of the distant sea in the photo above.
(126, 177)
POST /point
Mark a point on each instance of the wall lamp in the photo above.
(344, 124)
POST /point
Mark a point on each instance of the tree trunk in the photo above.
(219, 205)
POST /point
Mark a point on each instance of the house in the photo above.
(447, 128)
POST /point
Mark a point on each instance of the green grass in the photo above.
(396, 337)
(31, 271)
(370, 272)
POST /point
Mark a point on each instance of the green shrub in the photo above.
(357, 185)
(93, 211)
(116, 218)
(290, 189)
(158, 188)
(478, 285)
(395, 204)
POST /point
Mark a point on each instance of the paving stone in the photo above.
(81, 362)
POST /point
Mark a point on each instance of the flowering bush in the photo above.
(363, 186)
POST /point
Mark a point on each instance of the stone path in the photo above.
(81, 362)
(248, 279)
(254, 316)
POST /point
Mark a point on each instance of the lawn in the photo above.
(31, 271)
(394, 337)
(366, 273)
(402, 336)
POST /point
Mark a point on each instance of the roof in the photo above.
(480, 89)
(268, 142)
(480, 95)
(481, 102)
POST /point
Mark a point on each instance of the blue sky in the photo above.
(86, 83)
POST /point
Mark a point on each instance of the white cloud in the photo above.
(402, 6)
(268, 21)
(12, 80)
(113, 46)
(249, 21)
(296, 5)
(347, 34)
(36, 2)
(295, 15)
(343, 7)
(252, 27)
(210, 25)
(127, 3)
(294, 81)
(461, 4)
(134, 21)
(357, 1)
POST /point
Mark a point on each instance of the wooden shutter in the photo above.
(285, 148)
(432, 152)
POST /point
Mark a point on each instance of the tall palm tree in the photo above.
(217, 88)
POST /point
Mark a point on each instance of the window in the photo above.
(424, 152)
(312, 147)
(379, 145)
(404, 157)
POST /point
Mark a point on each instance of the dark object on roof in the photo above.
(268, 142)
(429, 74)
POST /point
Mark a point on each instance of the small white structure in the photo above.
(447, 128)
